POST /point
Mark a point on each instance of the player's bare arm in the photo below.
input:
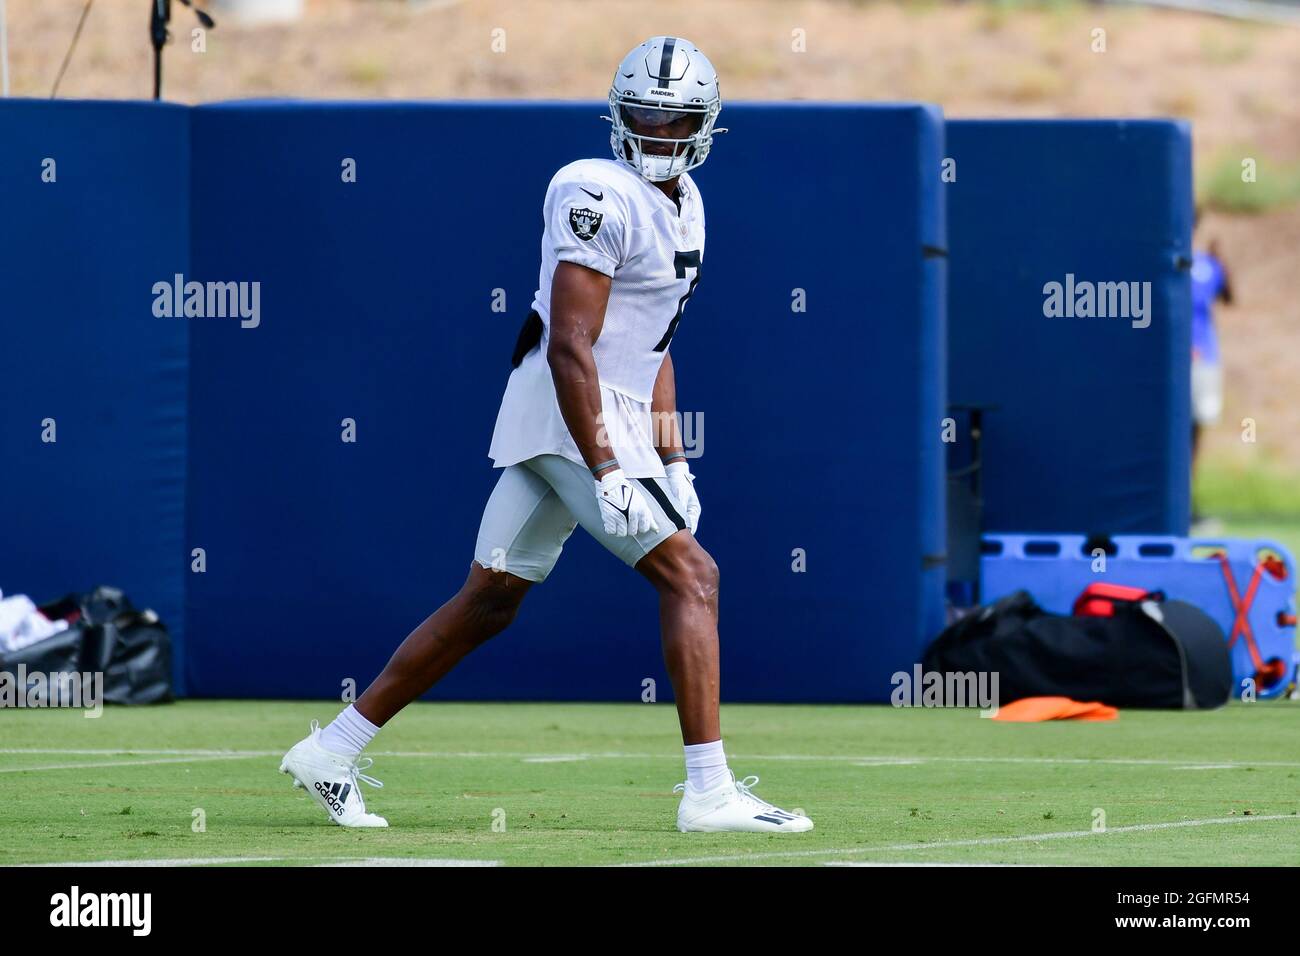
(668, 442)
(578, 298)
(667, 433)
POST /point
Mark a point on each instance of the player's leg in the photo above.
(521, 535)
(687, 581)
(524, 527)
(327, 763)
(484, 607)
(683, 573)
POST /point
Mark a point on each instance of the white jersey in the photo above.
(600, 214)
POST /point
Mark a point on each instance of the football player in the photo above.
(579, 441)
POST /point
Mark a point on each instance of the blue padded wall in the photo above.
(105, 502)
(376, 305)
(1092, 428)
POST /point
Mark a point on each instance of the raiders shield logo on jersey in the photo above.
(585, 223)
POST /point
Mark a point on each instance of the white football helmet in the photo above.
(658, 82)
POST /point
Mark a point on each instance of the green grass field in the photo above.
(574, 784)
(1251, 502)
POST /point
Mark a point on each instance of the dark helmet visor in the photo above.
(647, 120)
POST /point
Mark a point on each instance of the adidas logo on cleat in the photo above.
(335, 796)
(775, 816)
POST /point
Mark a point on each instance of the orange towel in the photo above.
(1055, 708)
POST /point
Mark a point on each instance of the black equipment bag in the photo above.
(1150, 653)
(107, 635)
(57, 654)
(132, 648)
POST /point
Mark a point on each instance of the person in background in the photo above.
(1210, 283)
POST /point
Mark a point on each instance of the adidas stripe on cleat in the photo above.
(732, 806)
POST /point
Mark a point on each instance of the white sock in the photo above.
(348, 734)
(706, 765)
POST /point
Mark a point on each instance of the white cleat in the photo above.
(732, 806)
(332, 780)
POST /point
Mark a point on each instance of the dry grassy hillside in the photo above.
(1238, 83)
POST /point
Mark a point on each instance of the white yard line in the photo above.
(869, 863)
(118, 763)
(692, 861)
(1113, 761)
(983, 841)
(407, 861)
(532, 757)
(127, 751)
(313, 860)
(1207, 766)
(555, 758)
(194, 861)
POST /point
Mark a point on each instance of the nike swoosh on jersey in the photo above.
(596, 196)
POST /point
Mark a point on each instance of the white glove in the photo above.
(623, 508)
(680, 484)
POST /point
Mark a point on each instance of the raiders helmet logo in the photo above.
(585, 223)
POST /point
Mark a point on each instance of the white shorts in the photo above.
(537, 503)
(1207, 392)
